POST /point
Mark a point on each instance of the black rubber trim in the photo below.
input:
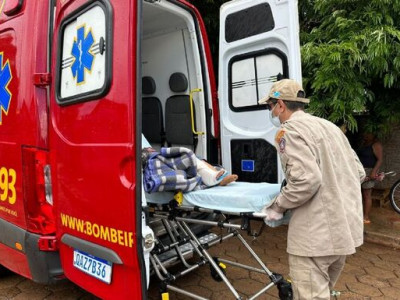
(45, 266)
(94, 249)
(14, 10)
(11, 234)
(254, 54)
(138, 151)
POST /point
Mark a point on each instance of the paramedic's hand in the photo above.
(272, 215)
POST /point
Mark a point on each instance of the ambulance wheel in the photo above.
(214, 273)
(4, 271)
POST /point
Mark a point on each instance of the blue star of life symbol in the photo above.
(81, 52)
(5, 94)
(277, 94)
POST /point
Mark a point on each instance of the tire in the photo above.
(395, 196)
(4, 271)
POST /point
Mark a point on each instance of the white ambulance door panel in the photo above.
(259, 44)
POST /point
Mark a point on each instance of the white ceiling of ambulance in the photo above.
(158, 20)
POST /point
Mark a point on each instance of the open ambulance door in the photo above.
(259, 44)
(94, 143)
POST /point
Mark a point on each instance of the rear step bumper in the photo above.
(44, 266)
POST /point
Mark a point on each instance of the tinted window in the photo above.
(252, 76)
(249, 22)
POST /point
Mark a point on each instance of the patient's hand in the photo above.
(145, 155)
(271, 215)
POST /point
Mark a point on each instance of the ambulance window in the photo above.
(251, 77)
(84, 54)
(248, 22)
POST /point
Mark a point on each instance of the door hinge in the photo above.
(42, 79)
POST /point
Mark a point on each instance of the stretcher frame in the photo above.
(176, 218)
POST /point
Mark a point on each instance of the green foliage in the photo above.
(351, 60)
(209, 10)
(350, 56)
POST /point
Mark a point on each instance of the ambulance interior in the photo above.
(171, 69)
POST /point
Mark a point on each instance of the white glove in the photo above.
(272, 215)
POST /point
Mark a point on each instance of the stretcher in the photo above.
(182, 218)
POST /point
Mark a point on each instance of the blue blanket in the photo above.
(171, 169)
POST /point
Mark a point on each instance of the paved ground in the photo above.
(372, 273)
(385, 228)
(19, 288)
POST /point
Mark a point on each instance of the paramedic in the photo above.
(323, 191)
(371, 156)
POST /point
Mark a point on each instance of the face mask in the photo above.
(274, 119)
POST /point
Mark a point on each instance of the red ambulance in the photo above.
(81, 80)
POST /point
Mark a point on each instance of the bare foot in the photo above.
(228, 179)
(220, 173)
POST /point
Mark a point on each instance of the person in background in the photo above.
(371, 156)
(323, 192)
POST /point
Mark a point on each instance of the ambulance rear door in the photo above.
(94, 142)
(259, 44)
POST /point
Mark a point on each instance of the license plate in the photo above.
(94, 266)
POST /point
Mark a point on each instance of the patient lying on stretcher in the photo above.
(178, 168)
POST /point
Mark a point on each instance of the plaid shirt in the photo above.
(172, 169)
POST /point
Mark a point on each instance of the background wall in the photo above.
(391, 158)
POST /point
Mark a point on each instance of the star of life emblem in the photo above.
(5, 94)
(83, 58)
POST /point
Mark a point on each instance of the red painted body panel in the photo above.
(91, 144)
(13, 123)
(16, 261)
(93, 166)
(24, 48)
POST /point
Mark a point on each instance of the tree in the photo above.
(209, 10)
(351, 60)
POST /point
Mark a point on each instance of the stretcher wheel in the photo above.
(285, 290)
(214, 273)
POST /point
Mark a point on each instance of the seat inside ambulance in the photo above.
(171, 69)
(178, 122)
(152, 114)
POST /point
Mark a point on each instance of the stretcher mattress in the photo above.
(237, 197)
